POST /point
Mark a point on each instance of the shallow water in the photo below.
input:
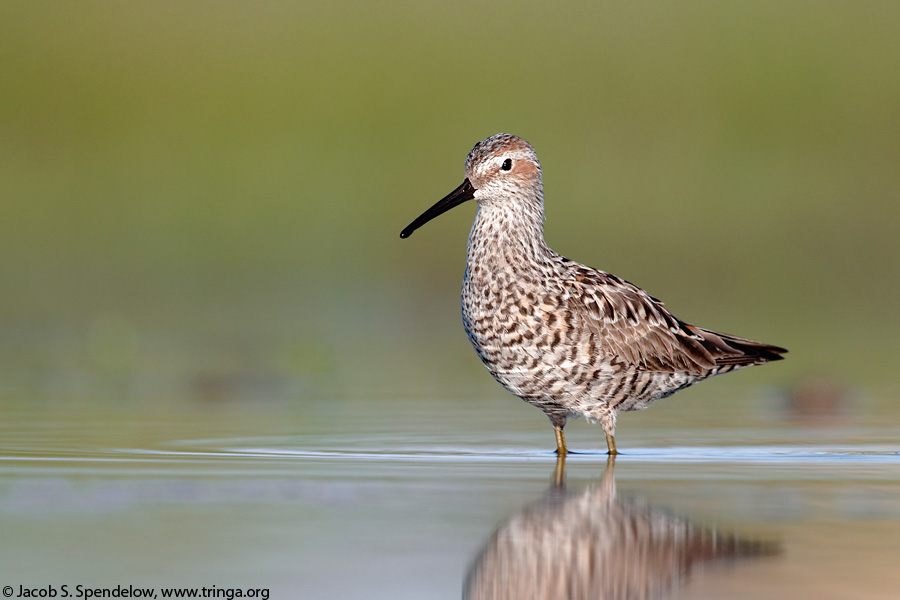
(405, 499)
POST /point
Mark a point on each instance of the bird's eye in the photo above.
(507, 164)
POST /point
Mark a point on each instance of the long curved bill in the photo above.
(455, 198)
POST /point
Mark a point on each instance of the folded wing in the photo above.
(636, 328)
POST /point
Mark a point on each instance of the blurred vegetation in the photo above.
(213, 191)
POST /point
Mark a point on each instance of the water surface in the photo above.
(286, 497)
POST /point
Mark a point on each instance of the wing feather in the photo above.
(636, 328)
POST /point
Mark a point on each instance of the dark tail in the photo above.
(730, 350)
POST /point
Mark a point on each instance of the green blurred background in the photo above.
(203, 199)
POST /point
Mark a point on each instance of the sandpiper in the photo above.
(569, 339)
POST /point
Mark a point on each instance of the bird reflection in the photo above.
(594, 545)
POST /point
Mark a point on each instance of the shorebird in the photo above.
(567, 338)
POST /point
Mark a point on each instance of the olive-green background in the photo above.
(205, 197)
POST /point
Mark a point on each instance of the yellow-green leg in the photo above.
(561, 449)
(611, 444)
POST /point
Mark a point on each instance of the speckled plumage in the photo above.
(569, 339)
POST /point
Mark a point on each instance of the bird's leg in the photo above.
(611, 444)
(559, 422)
(560, 441)
(608, 420)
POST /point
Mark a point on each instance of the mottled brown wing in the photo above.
(635, 327)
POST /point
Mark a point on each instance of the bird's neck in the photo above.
(508, 235)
